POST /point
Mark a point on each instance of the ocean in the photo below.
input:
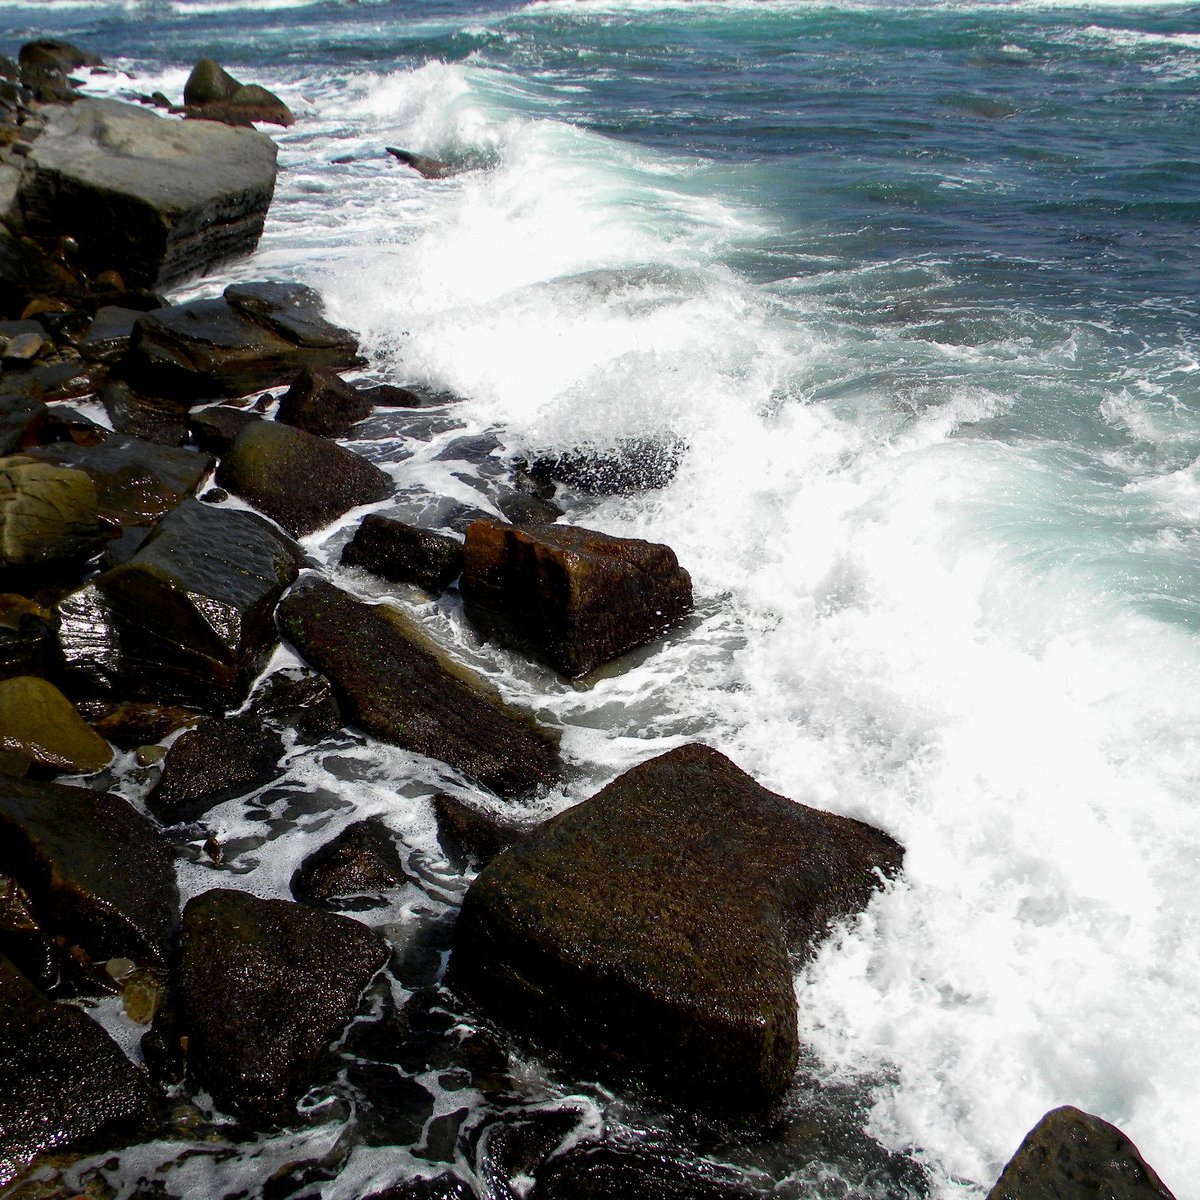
(916, 287)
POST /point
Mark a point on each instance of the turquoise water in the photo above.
(918, 286)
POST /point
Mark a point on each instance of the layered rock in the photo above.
(1072, 1155)
(572, 596)
(403, 553)
(300, 480)
(255, 336)
(648, 929)
(265, 986)
(100, 874)
(156, 200)
(189, 617)
(394, 685)
(64, 1083)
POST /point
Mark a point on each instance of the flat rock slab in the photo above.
(256, 336)
(1072, 1155)
(574, 597)
(299, 479)
(648, 929)
(38, 722)
(154, 199)
(265, 986)
(392, 684)
(100, 874)
(189, 617)
(64, 1083)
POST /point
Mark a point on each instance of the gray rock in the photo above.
(647, 931)
(156, 200)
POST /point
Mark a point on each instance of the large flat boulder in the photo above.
(64, 1083)
(254, 336)
(264, 987)
(189, 617)
(648, 930)
(573, 597)
(156, 200)
(392, 683)
(100, 874)
(1072, 1155)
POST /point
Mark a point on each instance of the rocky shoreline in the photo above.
(647, 937)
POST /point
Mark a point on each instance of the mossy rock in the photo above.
(49, 515)
(38, 721)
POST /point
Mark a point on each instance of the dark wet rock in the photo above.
(56, 55)
(391, 1109)
(100, 874)
(124, 546)
(38, 722)
(437, 1187)
(149, 418)
(107, 337)
(403, 553)
(573, 597)
(647, 930)
(428, 168)
(1072, 1155)
(352, 870)
(49, 516)
(26, 271)
(265, 986)
(21, 419)
(256, 336)
(67, 424)
(67, 380)
(213, 93)
(64, 1083)
(216, 429)
(189, 618)
(388, 395)
(130, 724)
(633, 465)
(32, 949)
(321, 402)
(299, 699)
(137, 482)
(523, 509)
(612, 1172)
(514, 1147)
(26, 637)
(221, 758)
(470, 831)
(391, 682)
(155, 199)
(300, 480)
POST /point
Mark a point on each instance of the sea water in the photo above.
(917, 287)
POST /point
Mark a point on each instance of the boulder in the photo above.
(38, 722)
(428, 168)
(614, 1172)
(100, 874)
(49, 516)
(149, 418)
(56, 55)
(107, 337)
(155, 199)
(222, 757)
(469, 831)
(299, 699)
(130, 724)
(571, 596)
(208, 82)
(352, 870)
(321, 402)
(64, 1083)
(255, 336)
(136, 481)
(647, 931)
(188, 618)
(21, 419)
(300, 480)
(1072, 1155)
(391, 682)
(211, 92)
(216, 429)
(403, 553)
(264, 987)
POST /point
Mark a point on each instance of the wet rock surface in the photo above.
(99, 873)
(397, 689)
(402, 553)
(211, 92)
(598, 1172)
(574, 597)
(39, 723)
(352, 870)
(216, 429)
(265, 986)
(300, 480)
(64, 1083)
(49, 515)
(1072, 1155)
(648, 929)
(156, 200)
(471, 832)
(321, 402)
